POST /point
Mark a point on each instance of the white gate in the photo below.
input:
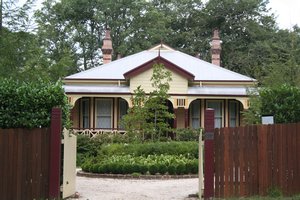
(69, 165)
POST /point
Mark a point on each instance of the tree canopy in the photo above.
(68, 35)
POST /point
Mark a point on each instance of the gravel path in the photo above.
(108, 189)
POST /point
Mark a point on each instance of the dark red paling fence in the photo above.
(252, 160)
(28, 157)
(24, 163)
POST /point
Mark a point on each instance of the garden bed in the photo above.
(140, 158)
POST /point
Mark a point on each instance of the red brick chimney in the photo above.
(107, 47)
(216, 48)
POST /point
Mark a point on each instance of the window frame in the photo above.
(191, 113)
(96, 112)
(221, 110)
(237, 110)
(119, 112)
(81, 119)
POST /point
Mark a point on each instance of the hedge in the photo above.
(151, 164)
(188, 149)
(29, 104)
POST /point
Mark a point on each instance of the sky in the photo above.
(287, 11)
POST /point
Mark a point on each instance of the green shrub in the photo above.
(153, 169)
(274, 192)
(192, 167)
(181, 169)
(162, 168)
(187, 134)
(189, 149)
(283, 102)
(127, 164)
(172, 169)
(143, 169)
(127, 169)
(29, 105)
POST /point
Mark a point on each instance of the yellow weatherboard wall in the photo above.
(178, 85)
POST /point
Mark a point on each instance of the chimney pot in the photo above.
(216, 48)
(107, 47)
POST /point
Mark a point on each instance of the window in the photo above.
(85, 113)
(233, 113)
(123, 107)
(195, 114)
(217, 106)
(104, 113)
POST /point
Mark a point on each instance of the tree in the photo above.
(282, 102)
(285, 65)
(158, 113)
(149, 114)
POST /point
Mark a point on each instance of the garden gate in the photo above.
(254, 160)
(30, 162)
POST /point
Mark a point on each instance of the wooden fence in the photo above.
(252, 160)
(30, 161)
(24, 163)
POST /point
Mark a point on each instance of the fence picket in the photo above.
(222, 168)
(23, 152)
(241, 161)
(251, 160)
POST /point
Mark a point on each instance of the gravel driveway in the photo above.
(131, 189)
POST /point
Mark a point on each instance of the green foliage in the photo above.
(187, 134)
(128, 164)
(90, 147)
(188, 149)
(69, 34)
(28, 105)
(282, 102)
(149, 115)
(274, 192)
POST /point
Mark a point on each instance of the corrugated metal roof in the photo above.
(112, 89)
(219, 91)
(202, 70)
(96, 89)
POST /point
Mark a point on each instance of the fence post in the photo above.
(200, 162)
(209, 126)
(55, 145)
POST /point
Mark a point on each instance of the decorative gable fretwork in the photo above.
(181, 102)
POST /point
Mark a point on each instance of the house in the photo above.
(101, 96)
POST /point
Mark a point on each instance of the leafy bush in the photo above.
(282, 102)
(28, 105)
(128, 164)
(189, 149)
(90, 147)
(187, 134)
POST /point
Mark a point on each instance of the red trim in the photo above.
(93, 79)
(209, 153)
(227, 81)
(94, 113)
(169, 65)
(175, 118)
(211, 95)
(186, 118)
(99, 93)
(113, 112)
(55, 145)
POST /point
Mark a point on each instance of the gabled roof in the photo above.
(189, 65)
(165, 62)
